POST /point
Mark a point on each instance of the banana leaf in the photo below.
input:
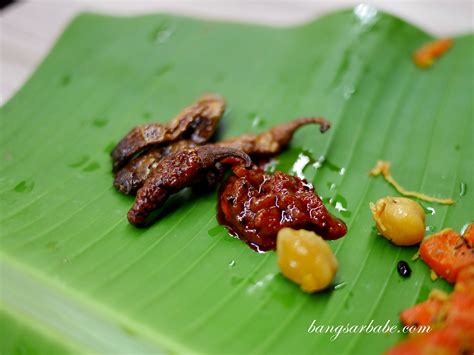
(76, 277)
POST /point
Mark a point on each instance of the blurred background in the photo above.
(28, 29)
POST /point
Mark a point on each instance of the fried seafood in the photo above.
(133, 175)
(274, 140)
(177, 171)
(196, 122)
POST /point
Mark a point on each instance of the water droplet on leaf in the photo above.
(79, 162)
(366, 14)
(100, 122)
(214, 231)
(301, 162)
(162, 33)
(92, 166)
(348, 91)
(65, 80)
(24, 186)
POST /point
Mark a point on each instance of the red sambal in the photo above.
(255, 205)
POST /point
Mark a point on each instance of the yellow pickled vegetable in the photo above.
(306, 259)
(399, 219)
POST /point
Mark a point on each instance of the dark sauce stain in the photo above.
(214, 231)
(65, 80)
(79, 162)
(100, 122)
(92, 166)
(24, 186)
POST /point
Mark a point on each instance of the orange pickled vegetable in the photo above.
(425, 56)
(446, 254)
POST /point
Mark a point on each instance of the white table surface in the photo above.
(28, 29)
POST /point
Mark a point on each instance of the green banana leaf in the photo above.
(76, 277)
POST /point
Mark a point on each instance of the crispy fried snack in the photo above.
(265, 144)
(450, 317)
(274, 140)
(468, 235)
(132, 176)
(177, 171)
(446, 253)
(196, 122)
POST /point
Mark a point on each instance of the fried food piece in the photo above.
(446, 253)
(399, 219)
(425, 56)
(451, 340)
(196, 122)
(451, 318)
(255, 205)
(133, 175)
(383, 167)
(178, 171)
(274, 140)
(432, 311)
(306, 259)
(469, 235)
(265, 144)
